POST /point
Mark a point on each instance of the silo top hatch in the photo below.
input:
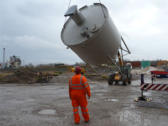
(83, 23)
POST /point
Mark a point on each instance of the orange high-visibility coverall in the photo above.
(78, 88)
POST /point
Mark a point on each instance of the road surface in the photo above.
(49, 105)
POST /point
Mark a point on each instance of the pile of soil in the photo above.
(20, 76)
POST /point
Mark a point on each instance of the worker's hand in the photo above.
(88, 97)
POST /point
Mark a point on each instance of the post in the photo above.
(3, 66)
(142, 82)
(152, 78)
(142, 79)
(142, 97)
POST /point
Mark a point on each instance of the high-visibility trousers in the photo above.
(79, 100)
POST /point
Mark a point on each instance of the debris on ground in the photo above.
(28, 76)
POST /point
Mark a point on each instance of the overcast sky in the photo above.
(31, 29)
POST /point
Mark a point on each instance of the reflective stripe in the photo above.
(84, 108)
(75, 112)
(86, 85)
(77, 87)
(76, 84)
(86, 82)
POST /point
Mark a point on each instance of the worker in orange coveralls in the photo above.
(78, 89)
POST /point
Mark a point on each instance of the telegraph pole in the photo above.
(3, 58)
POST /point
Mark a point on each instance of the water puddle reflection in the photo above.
(111, 100)
(47, 112)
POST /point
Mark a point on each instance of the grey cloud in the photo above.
(39, 9)
(31, 28)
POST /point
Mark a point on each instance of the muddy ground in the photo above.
(49, 105)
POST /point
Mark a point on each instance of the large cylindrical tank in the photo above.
(91, 34)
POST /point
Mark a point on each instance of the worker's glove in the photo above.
(88, 97)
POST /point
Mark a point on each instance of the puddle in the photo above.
(20, 101)
(47, 112)
(100, 91)
(130, 116)
(147, 94)
(152, 105)
(111, 100)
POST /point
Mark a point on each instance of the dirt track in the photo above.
(49, 105)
